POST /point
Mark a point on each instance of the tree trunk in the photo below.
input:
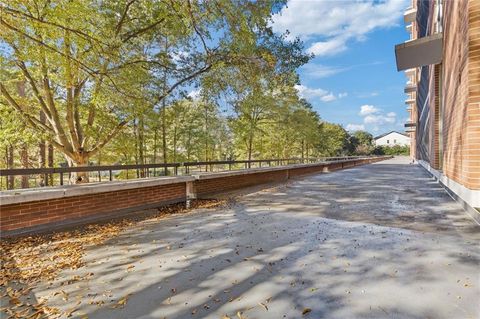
(24, 161)
(50, 161)
(141, 145)
(135, 134)
(250, 146)
(206, 137)
(164, 125)
(42, 154)
(155, 137)
(164, 133)
(175, 144)
(164, 136)
(78, 161)
(303, 150)
(11, 178)
(189, 144)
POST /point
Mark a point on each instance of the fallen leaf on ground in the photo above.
(122, 302)
(306, 310)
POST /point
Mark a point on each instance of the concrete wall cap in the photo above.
(37, 194)
(210, 175)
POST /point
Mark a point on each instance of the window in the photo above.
(388, 141)
(394, 141)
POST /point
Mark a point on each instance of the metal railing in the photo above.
(39, 177)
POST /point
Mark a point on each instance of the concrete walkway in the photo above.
(377, 241)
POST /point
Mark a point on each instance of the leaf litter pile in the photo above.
(27, 261)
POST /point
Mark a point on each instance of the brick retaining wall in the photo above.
(26, 211)
(23, 215)
(204, 187)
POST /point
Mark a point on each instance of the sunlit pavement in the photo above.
(377, 241)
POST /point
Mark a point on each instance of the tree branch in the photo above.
(33, 121)
(35, 90)
(128, 36)
(86, 36)
(40, 42)
(107, 139)
(186, 79)
(122, 18)
(194, 24)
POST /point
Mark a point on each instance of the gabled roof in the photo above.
(385, 134)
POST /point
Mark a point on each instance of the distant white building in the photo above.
(392, 138)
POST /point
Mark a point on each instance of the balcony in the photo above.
(419, 52)
(410, 15)
(409, 27)
(410, 72)
(410, 127)
(410, 101)
(410, 88)
(409, 108)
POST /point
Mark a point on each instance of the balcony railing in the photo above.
(410, 88)
(410, 15)
(39, 177)
(410, 126)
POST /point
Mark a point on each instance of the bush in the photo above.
(392, 150)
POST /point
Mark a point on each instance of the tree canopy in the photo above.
(140, 81)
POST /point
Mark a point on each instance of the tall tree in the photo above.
(87, 62)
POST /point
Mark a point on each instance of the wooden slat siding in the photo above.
(472, 151)
(436, 117)
(455, 89)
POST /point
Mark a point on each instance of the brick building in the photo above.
(442, 64)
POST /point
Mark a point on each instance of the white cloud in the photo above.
(329, 47)
(323, 95)
(179, 56)
(376, 116)
(319, 71)
(194, 94)
(365, 95)
(380, 119)
(328, 98)
(336, 22)
(355, 127)
(368, 109)
(307, 92)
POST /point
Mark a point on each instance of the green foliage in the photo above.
(105, 82)
(334, 140)
(94, 67)
(361, 143)
(392, 150)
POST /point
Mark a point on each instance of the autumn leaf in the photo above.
(69, 313)
(122, 302)
(306, 311)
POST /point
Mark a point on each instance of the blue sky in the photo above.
(353, 79)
